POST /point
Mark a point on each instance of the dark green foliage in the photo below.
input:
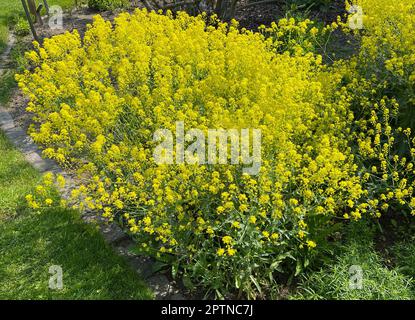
(107, 4)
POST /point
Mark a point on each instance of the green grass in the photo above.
(379, 282)
(7, 84)
(404, 256)
(31, 242)
(17, 65)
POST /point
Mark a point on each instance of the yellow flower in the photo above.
(227, 240)
(134, 229)
(293, 202)
(302, 224)
(220, 209)
(48, 179)
(311, 244)
(34, 205)
(313, 31)
(236, 224)
(264, 199)
(119, 204)
(60, 180)
(210, 231)
(243, 207)
(40, 190)
(252, 219)
(319, 209)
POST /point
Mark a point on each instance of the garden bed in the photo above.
(337, 158)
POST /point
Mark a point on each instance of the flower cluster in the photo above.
(98, 100)
(379, 81)
(44, 194)
(387, 55)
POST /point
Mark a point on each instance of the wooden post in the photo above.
(35, 10)
(46, 6)
(29, 19)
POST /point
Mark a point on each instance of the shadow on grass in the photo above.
(34, 241)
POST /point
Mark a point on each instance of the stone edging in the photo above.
(163, 288)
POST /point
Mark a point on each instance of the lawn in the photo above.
(31, 242)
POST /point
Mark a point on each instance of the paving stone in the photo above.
(162, 287)
(141, 264)
(5, 56)
(112, 233)
(177, 296)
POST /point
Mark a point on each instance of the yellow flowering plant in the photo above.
(387, 54)
(382, 98)
(45, 194)
(97, 102)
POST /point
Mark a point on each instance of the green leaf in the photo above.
(187, 282)
(174, 270)
(255, 282)
(237, 282)
(158, 266)
(298, 268)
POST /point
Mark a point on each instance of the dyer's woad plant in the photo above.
(387, 55)
(98, 101)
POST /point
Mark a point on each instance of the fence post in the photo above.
(46, 6)
(29, 19)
